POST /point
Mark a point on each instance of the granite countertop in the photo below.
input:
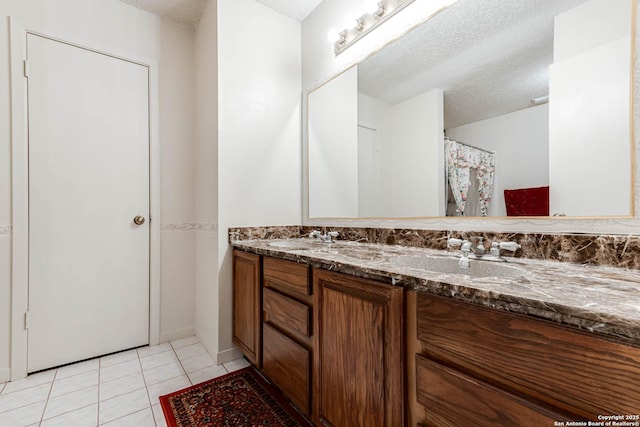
(601, 300)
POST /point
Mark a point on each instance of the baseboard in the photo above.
(220, 357)
(176, 334)
(5, 375)
(228, 355)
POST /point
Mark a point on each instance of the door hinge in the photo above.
(27, 320)
(26, 68)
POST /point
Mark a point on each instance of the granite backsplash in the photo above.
(606, 250)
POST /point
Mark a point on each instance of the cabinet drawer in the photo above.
(451, 398)
(574, 371)
(288, 277)
(288, 365)
(286, 313)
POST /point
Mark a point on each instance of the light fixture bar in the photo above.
(368, 21)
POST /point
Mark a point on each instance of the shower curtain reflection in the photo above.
(470, 174)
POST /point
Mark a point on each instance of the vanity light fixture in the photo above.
(376, 12)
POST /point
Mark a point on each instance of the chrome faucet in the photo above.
(324, 238)
(478, 249)
(469, 250)
(465, 249)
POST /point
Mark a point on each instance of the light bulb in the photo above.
(350, 22)
(353, 24)
(333, 35)
(372, 6)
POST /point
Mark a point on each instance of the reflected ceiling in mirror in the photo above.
(376, 133)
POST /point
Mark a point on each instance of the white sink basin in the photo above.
(449, 265)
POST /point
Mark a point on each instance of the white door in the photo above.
(88, 178)
(369, 203)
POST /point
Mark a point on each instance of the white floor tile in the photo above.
(158, 359)
(74, 383)
(234, 365)
(114, 359)
(184, 342)
(127, 386)
(142, 418)
(31, 381)
(120, 370)
(121, 386)
(166, 387)
(197, 362)
(190, 351)
(123, 405)
(23, 416)
(77, 368)
(205, 374)
(84, 417)
(148, 351)
(71, 401)
(159, 416)
(163, 373)
(24, 397)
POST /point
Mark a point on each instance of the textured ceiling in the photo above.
(296, 9)
(490, 57)
(188, 12)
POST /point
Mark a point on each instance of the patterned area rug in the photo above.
(241, 398)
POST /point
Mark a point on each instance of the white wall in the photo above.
(410, 171)
(589, 95)
(417, 156)
(177, 123)
(333, 146)
(120, 29)
(521, 143)
(259, 132)
(574, 30)
(206, 179)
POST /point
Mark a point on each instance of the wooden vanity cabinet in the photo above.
(359, 352)
(247, 298)
(493, 368)
(287, 346)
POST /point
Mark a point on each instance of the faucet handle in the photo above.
(509, 246)
(314, 234)
(333, 234)
(454, 243)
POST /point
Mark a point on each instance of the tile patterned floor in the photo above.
(119, 390)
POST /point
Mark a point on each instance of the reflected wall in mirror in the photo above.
(541, 86)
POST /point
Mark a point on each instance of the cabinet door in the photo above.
(246, 304)
(359, 352)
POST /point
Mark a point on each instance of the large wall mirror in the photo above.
(490, 108)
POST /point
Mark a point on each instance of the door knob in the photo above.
(138, 219)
